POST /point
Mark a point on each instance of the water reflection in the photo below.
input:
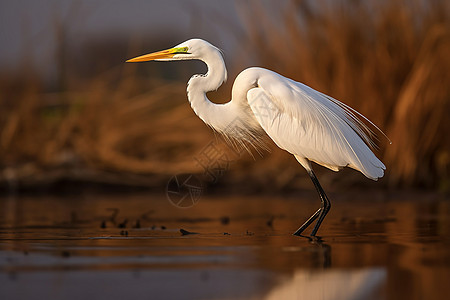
(332, 284)
(58, 247)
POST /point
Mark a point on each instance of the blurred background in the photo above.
(73, 113)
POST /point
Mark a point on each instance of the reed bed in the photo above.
(387, 59)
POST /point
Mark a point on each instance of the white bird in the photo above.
(308, 124)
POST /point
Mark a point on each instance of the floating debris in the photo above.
(185, 232)
(123, 224)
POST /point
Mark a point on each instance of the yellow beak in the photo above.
(152, 56)
(164, 54)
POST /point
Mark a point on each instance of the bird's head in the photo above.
(191, 49)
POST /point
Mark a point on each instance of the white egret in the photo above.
(308, 124)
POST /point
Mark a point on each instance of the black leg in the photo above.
(308, 222)
(326, 204)
(321, 212)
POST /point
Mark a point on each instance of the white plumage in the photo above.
(310, 125)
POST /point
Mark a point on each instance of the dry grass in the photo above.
(106, 128)
(388, 59)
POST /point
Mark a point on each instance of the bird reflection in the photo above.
(324, 282)
(322, 255)
(319, 280)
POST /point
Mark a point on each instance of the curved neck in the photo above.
(218, 116)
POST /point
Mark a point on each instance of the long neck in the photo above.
(218, 116)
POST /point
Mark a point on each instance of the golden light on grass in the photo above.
(387, 59)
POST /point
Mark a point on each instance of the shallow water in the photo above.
(373, 246)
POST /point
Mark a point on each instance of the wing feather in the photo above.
(313, 125)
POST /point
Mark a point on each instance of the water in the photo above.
(373, 246)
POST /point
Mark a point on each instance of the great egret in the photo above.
(308, 124)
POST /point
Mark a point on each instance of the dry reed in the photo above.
(388, 59)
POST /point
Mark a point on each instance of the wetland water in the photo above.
(374, 246)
